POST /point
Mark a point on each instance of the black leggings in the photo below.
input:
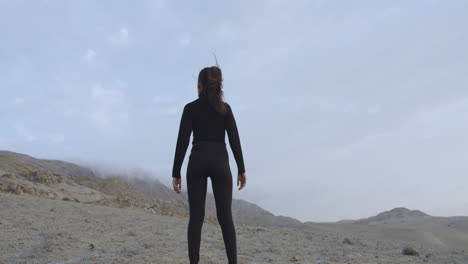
(210, 159)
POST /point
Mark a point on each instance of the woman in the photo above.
(209, 117)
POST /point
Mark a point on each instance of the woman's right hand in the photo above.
(177, 184)
(242, 179)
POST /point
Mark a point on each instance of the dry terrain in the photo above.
(59, 212)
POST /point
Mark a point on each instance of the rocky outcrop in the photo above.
(54, 166)
(25, 179)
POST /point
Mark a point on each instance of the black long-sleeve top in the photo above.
(207, 125)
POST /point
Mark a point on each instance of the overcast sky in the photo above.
(344, 108)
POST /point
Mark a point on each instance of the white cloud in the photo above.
(89, 55)
(375, 109)
(163, 99)
(224, 31)
(109, 107)
(31, 138)
(121, 38)
(123, 34)
(57, 138)
(106, 97)
(168, 105)
(24, 134)
(173, 110)
(20, 69)
(19, 101)
(185, 39)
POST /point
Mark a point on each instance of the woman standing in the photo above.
(209, 117)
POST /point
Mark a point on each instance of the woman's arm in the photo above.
(234, 141)
(183, 140)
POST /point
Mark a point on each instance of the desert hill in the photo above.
(25, 179)
(136, 188)
(398, 215)
(55, 166)
(407, 225)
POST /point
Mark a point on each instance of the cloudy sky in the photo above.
(344, 108)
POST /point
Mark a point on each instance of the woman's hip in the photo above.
(209, 150)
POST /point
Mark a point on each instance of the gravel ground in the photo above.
(38, 230)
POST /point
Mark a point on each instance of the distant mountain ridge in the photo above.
(405, 216)
(395, 216)
(410, 226)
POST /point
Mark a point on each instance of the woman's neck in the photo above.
(202, 95)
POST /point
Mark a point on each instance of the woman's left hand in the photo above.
(177, 184)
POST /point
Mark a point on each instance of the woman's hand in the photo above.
(177, 184)
(242, 179)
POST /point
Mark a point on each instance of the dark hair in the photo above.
(211, 79)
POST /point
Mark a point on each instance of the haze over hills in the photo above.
(137, 184)
(59, 209)
(137, 188)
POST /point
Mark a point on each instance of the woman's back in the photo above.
(207, 125)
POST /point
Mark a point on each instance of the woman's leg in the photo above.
(221, 181)
(196, 190)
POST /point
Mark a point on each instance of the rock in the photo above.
(409, 251)
(10, 176)
(347, 241)
(260, 229)
(4, 187)
(296, 258)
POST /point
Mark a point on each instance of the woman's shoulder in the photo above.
(228, 107)
(188, 106)
(191, 103)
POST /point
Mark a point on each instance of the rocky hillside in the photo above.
(22, 178)
(25, 179)
(55, 166)
(136, 188)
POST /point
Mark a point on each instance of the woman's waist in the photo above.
(211, 146)
(208, 142)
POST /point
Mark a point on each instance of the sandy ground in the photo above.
(38, 230)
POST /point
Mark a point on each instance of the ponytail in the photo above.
(212, 81)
